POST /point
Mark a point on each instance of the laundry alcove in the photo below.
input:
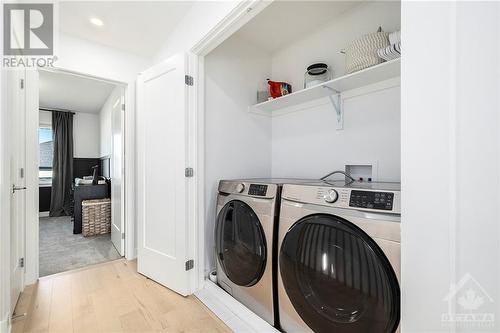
(301, 141)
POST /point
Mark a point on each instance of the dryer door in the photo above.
(337, 278)
(240, 243)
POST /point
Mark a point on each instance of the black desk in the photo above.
(86, 192)
(44, 194)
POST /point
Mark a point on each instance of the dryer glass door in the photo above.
(337, 277)
(240, 243)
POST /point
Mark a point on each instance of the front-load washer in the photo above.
(339, 257)
(245, 240)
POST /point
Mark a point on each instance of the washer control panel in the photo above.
(371, 200)
(258, 190)
(374, 199)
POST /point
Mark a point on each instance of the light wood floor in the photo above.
(110, 297)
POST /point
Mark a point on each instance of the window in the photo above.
(46, 146)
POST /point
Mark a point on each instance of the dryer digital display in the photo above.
(257, 189)
(371, 200)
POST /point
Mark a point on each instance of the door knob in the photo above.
(17, 188)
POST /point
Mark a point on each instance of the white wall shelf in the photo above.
(335, 87)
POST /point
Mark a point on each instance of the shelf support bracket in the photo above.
(336, 100)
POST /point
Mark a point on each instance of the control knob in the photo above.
(331, 196)
(240, 187)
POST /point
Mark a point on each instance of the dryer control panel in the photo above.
(371, 200)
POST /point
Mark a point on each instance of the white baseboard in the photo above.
(43, 214)
(234, 314)
(5, 326)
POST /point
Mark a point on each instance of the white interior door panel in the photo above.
(162, 186)
(117, 173)
(17, 135)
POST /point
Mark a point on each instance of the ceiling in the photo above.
(283, 22)
(138, 27)
(73, 92)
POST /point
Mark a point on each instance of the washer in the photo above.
(245, 242)
(339, 257)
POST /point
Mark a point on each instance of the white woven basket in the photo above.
(362, 52)
(96, 217)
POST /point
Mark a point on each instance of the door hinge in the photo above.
(16, 316)
(123, 107)
(22, 83)
(189, 264)
(188, 79)
(189, 172)
(21, 172)
(21, 262)
(123, 235)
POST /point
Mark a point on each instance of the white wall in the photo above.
(45, 118)
(478, 148)
(106, 124)
(450, 162)
(306, 143)
(86, 135)
(86, 127)
(237, 143)
(90, 58)
(200, 19)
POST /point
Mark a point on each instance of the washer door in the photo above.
(337, 278)
(240, 243)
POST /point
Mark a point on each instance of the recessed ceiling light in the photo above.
(96, 21)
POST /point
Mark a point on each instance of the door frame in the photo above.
(5, 274)
(243, 12)
(32, 181)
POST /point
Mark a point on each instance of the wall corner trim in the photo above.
(239, 16)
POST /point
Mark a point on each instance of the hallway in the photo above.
(109, 297)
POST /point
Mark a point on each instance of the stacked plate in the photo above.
(393, 51)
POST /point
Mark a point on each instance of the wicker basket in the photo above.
(96, 217)
(362, 53)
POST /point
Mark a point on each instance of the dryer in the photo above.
(339, 257)
(245, 235)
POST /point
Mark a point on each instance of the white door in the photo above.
(17, 113)
(117, 173)
(162, 185)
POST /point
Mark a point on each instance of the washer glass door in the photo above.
(240, 243)
(337, 278)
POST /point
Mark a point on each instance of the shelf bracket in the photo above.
(336, 100)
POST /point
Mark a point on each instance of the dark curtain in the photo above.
(62, 166)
